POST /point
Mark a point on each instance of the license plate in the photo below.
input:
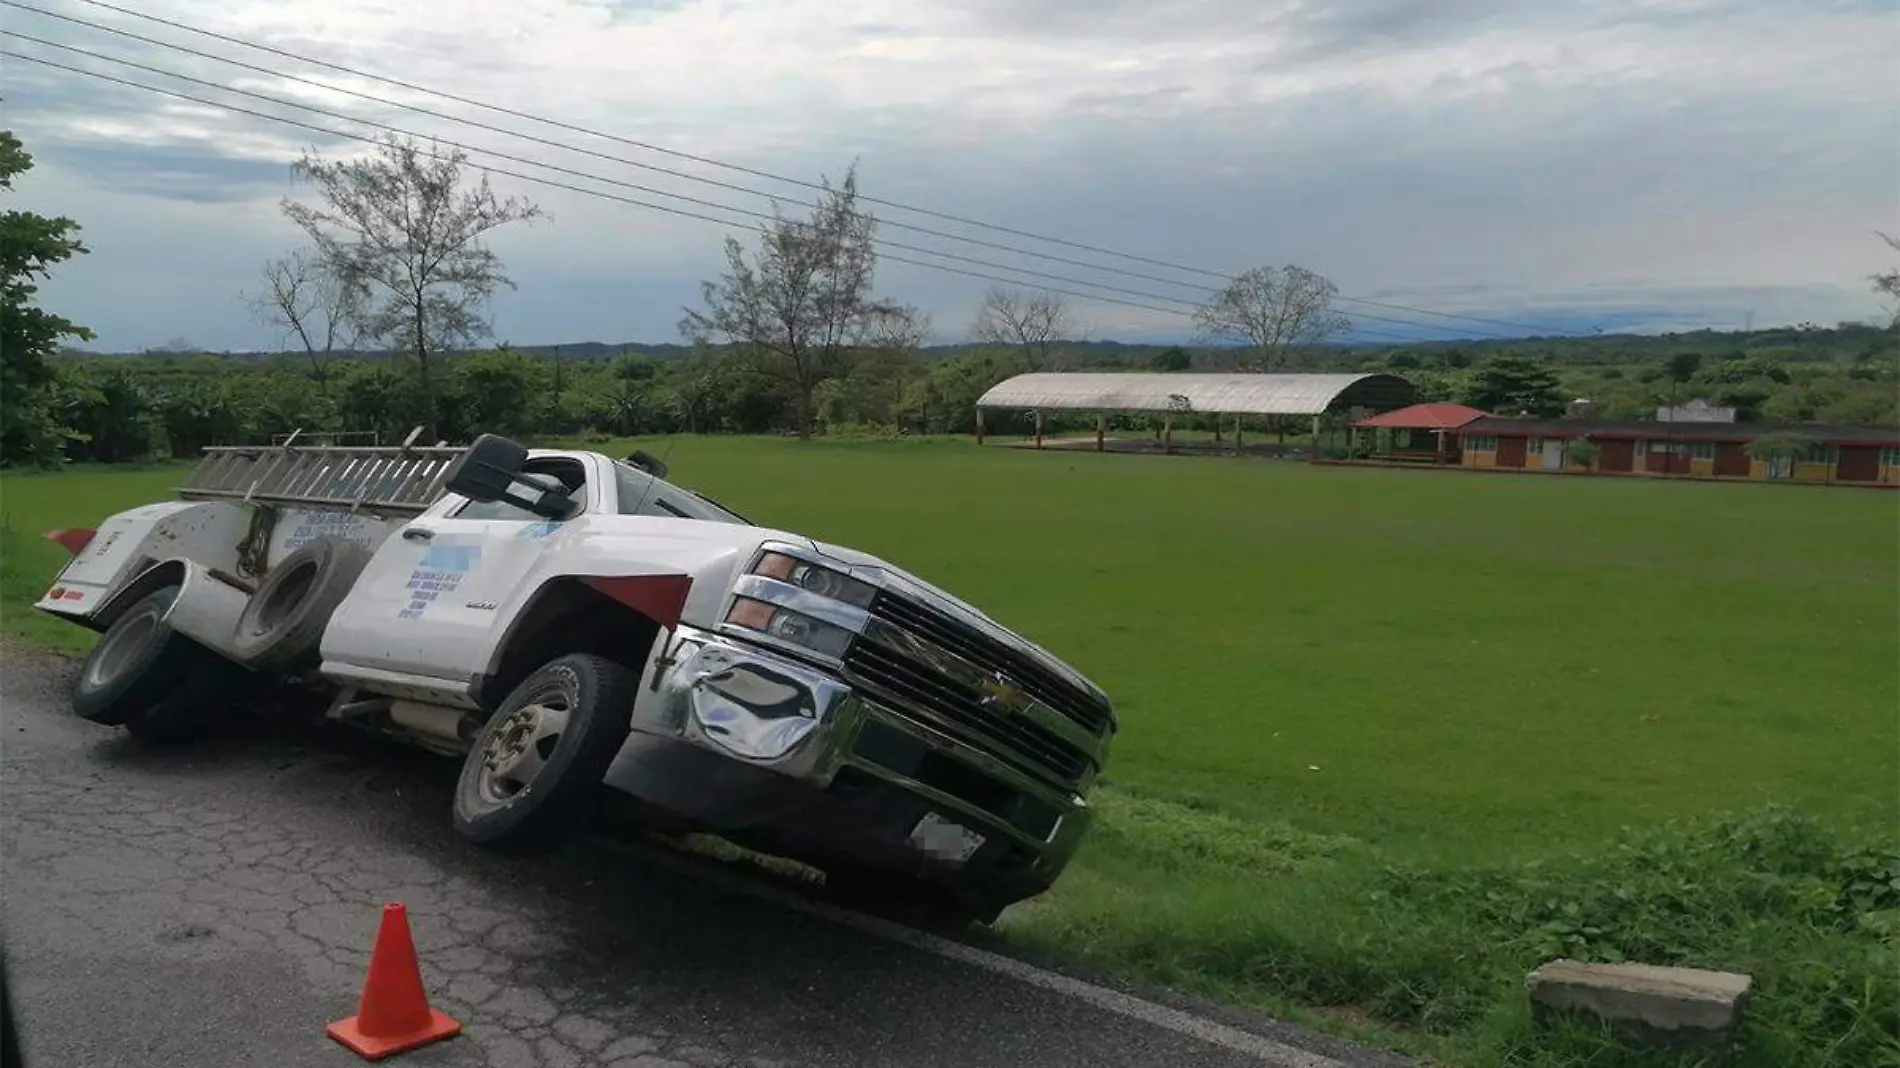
(945, 840)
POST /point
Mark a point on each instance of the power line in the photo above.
(650, 190)
(642, 188)
(175, 94)
(633, 201)
(499, 109)
(710, 161)
(687, 175)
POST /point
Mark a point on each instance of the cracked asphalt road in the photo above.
(216, 905)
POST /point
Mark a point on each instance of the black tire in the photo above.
(593, 699)
(283, 622)
(138, 662)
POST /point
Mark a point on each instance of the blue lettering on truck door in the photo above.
(440, 571)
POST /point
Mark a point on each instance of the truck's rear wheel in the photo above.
(283, 622)
(135, 664)
(156, 683)
(532, 779)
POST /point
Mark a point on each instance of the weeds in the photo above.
(1440, 954)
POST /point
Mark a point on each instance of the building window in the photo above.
(1481, 443)
(1890, 456)
(1702, 450)
(1534, 447)
(1823, 454)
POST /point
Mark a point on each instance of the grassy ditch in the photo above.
(1433, 958)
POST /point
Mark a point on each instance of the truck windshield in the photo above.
(642, 494)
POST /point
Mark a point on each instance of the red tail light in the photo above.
(73, 539)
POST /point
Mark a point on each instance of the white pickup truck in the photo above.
(560, 619)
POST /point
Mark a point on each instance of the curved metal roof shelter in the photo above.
(1236, 394)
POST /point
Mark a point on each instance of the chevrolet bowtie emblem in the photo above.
(1000, 691)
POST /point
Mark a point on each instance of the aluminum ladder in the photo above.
(380, 479)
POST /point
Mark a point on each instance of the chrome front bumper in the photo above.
(781, 734)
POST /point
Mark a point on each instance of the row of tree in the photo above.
(383, 313)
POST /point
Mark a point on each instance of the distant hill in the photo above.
(1791, 343)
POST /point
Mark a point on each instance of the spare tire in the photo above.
(283, 622)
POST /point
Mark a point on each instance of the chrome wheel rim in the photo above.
(518, 749)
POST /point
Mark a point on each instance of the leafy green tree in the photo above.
(401, 234)
(802, 302)
(1746, 398)
(1682, 366)
(375, 397)
(498, 392)
(111, 409)
(30, 244)
(944, 400)
(1510, 383)
(1173, 358)
(197, 414)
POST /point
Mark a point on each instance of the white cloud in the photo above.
(1519, 152)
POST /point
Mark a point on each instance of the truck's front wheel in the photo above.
(533, 777)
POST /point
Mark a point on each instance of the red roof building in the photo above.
(1425, 433)
(1424, 417)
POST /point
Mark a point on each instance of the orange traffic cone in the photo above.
(394, 1015)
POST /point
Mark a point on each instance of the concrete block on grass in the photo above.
(1660, 1004)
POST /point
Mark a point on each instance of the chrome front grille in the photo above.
(993, 656)
(926, 664)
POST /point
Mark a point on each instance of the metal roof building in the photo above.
(1234, 394)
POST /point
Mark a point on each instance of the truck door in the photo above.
(433, 599)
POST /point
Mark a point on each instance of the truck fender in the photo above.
(617, 616)
(207, 607)
(137, 551)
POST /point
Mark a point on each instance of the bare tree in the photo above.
(890, 327)
(1037, 323)
(1272, 312)
(1887, 283)
(800, 306)
(401, 226)
(306, 301)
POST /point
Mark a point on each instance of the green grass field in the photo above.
(1330, 678)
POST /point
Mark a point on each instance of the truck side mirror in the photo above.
(647, 462)
(490, 470)
(486, 470)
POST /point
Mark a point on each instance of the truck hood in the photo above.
(883, 573)
(716, 552)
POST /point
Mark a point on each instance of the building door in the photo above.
(1617, 454)
(1859, 463)
(1731, 460)
(1511, 452)
(1554, 453)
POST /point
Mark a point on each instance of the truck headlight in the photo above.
(822, 581)
(787, 625)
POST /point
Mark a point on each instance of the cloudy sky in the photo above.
(1651, 164)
